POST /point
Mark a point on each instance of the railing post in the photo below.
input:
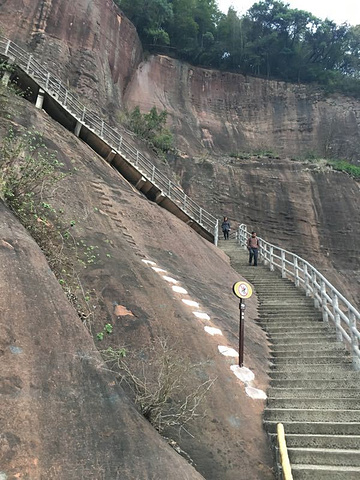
(28, 64)
(7, 47)
(200, 216)
(120, 143)
(354, 340)
(296, 272)
(137, 158)
(216, 233)
(271, 259)
(153, 174)
(306, 280)
(83, 115)
(102, 129)
(283, 264)
(47, 81)
(315, 289)
(324, 301)
(337, 319)
(65, 99)
(184, 202)
(169, 190)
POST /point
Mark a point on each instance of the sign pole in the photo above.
(241, 332)
(242, 290)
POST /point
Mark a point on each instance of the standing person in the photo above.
(225, 227)
(253, 247)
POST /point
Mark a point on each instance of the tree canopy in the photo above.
(271, 40)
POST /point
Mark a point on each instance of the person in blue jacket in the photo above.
(225, 227)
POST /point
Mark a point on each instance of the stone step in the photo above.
(314, 382)
(317, 428)
(322, 370)
(287, 309)
(326, 338)
(325, 472)
(311, 415)
(278, 337)
(321, 393)
(286, 317)
(320, 441)
(324, 456)
(301, 352)
(315, 376)
(305, 347)
(298, 328)
(303, 360)
(315, 403)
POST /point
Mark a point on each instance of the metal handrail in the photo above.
(69, 101)
(327, 298)
(284, 457)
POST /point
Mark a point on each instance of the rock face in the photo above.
(64, 413)
(95, 49)
(90, 45)
(305, 208)
(228, 113)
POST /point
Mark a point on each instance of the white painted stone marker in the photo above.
(242, 373)
(227, 351)
(213, 331)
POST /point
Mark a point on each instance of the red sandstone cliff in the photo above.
(94, 48)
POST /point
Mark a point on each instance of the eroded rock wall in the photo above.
(89, 44)
(227, 113)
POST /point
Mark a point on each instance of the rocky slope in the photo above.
(65, 415)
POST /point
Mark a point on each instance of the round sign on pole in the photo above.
(242, 290)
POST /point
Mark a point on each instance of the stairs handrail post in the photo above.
(354, 340)
(324, 302)
(216, 232)
(283, 265)
(296, 272)
(337, 320)
(315, 289)
(271, 258)
(306, 280)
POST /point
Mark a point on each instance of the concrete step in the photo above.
(298, 328)
(315, 403)
(303, 360)
(329, 351)
(321, 393)
(321, 370)
(339, 375)
(320, 441)
(305, 347)
(325, 472)
(309, 340)
(314, 382)
(324, 456)
(303, 336)
(317, 428)
(311, 415)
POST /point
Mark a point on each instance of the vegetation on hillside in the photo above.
(271, 40)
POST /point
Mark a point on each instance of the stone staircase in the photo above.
(313, 390)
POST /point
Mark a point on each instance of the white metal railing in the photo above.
(69, 101)
(333, 305)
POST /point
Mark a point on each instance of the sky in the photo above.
(338, 11)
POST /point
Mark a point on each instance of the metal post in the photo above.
(28, 64)
(47, 81)
(337, 319)
(169, 192)
(296, 271)
(120, 143)
(354, 340)
(271, 258)
(153, 174)
(323, 301)
(216, 233)
(283, 265)
(241, 332)
(200, 216)
(306, 279)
